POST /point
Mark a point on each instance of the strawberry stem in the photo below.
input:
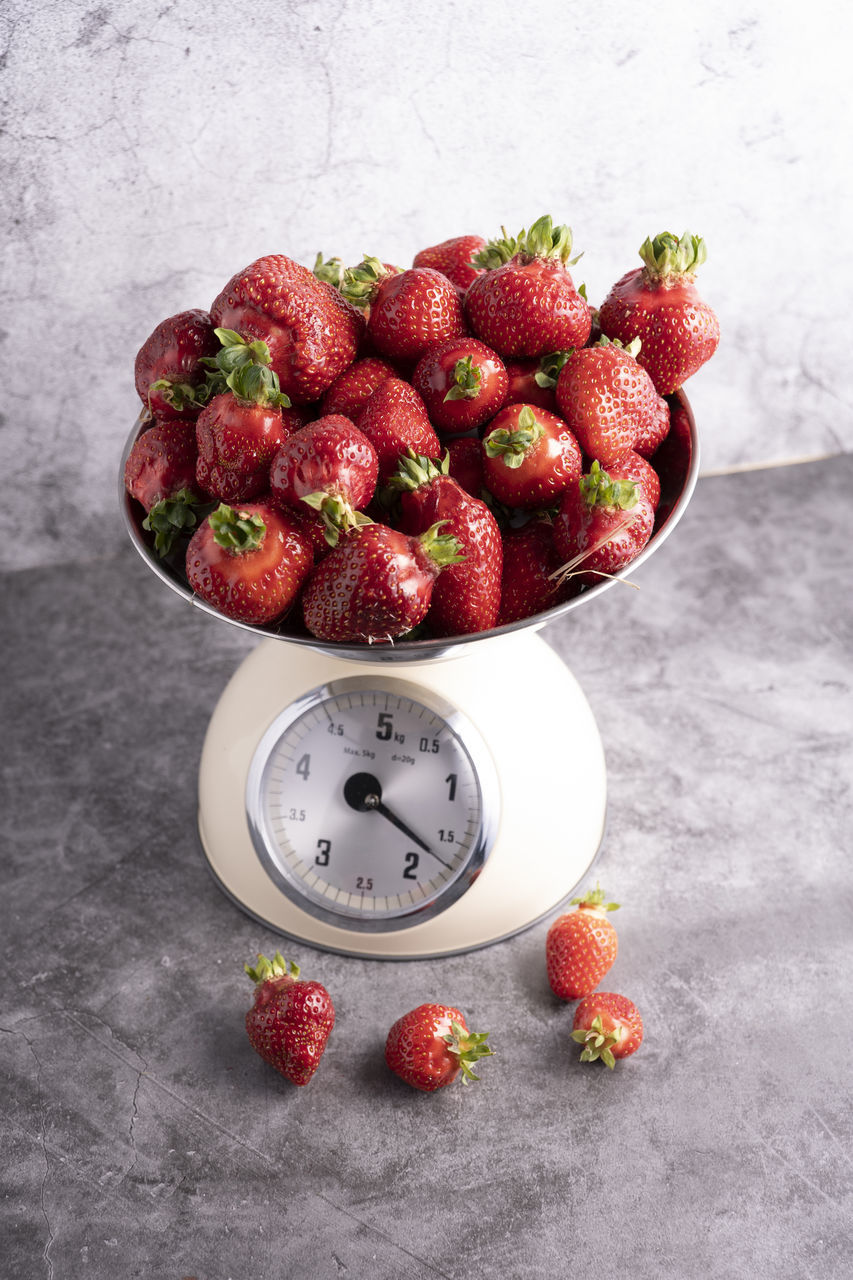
(595, 898)
(242, 368)
(549, 367)
(598, 490)
(330, 270)
(170, 517)
(466, 380)
(667, 256)
(467, 1047)
(598, 1043)
(415, 470)
(513, 446)
(338, 515)
(278, 967)
(236, 531)
(442, 548)
(360, 283)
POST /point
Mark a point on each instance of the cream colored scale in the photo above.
(404, 810)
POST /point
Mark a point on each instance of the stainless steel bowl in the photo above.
(676, 461)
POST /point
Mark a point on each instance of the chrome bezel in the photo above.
(469, 741)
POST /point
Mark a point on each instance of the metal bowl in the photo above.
(677, 464)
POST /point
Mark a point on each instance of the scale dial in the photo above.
(372, 803)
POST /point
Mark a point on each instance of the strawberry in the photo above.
(602, 525)
(409, 310)
(530, 563)
(633, 466)
(170, 375)
(465, 464)
(249, 563)
(462, 382)
(533, 381)
(290, 1020)
(467, 595)
(607, 399)
(581, 946)
(240, 429)
(660, 304)
(529, 457)
(376, 584)
(395, 419)
(526, 303)
(353, 388)
(453, 258)
(312, 333)
(161, 462)
(429, 1046)
(330, 465)
(656, 431)
(160, 473)
(608, 1026)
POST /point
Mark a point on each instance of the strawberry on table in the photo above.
(395, 420)
(526, 303)
(581, 946)
(453, 258)
(170, 373)
(409, 311)
(462, 382)
(660, 304)
(376, 584)
(607, 399)
(529, 457)
(249, 563)
(312, 333)
(530, 563)
(608, 1026)
(467, 595)
(290, 1020)
(431, 1045)
(602, 525)
(332, 467)
(351, 390)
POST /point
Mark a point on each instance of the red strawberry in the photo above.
(602, 525)
(529, 457)
(430, 1045)
(160, 473)
(530, 561)
(330, 465)
(162, 462)
(607, 399)
(170, 376)
(353, 388)
(395, 419)
(311, 331)
(467, 595)
(533, 381)
(376, 584)
(650, 440)
(409, 310)
(249, 563)
(465, 464)
(632, 466)
(660, 304)
(608, 1026)
(237, 440)
(526, 304)
(463, 383)
(581, 946)
(453, 259)
(291, 1019)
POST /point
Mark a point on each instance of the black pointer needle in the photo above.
(364, 792)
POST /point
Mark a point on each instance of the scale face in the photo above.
(372, 803)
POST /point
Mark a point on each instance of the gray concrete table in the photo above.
(143, 1137)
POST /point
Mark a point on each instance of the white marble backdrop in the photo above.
(150, 149)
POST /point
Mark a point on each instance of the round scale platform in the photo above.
(408, 800)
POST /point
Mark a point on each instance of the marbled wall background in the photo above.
(150, 149)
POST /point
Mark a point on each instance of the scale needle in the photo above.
(363, 792)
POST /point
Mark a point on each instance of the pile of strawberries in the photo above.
(429, 1047)
(376, 453)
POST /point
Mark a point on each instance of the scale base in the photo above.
(550, 761)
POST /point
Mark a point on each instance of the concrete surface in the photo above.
(142, 1137)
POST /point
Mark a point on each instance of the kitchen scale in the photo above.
(407, 800)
